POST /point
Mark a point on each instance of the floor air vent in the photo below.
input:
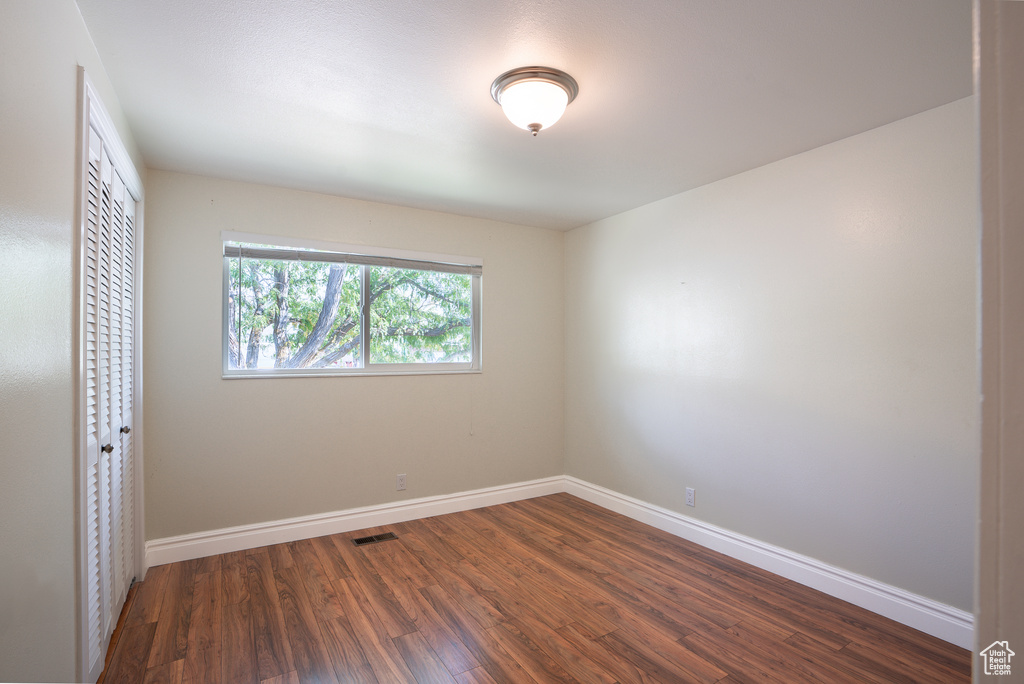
(374, 538)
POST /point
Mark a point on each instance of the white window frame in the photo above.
(379, 256)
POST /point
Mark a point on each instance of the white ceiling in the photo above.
(390, 101)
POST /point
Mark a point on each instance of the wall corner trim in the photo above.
(938, 619)
(945, 622)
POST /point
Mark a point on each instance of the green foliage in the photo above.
(289, 314)
(419, 316)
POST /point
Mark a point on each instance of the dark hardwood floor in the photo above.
(552, 589)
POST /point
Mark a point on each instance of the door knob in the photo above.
(125, 430)
(107, 448)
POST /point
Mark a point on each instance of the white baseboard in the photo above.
(945, 622)
(200, 544)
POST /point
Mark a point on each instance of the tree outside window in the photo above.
(303, 314)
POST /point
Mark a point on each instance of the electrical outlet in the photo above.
(400, 482)
(689, 496)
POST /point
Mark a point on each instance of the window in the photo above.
(324, 309)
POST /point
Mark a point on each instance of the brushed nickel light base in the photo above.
(535, 73)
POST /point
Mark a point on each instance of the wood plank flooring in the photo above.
(552, 589)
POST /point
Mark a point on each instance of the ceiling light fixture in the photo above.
(534, 97)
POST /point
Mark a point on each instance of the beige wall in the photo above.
(814, 378)
(41, 44)
(231, 452)
(798, 343)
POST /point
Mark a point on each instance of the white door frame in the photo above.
(91, 112)
(999, 84)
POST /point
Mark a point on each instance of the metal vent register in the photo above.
(374, 538)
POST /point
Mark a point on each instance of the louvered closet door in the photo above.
(124, 436)
(109, 344)
(91, 343)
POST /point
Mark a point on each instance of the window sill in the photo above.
(274, 374)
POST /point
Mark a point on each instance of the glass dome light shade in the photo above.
(534, 97)
(533, 104)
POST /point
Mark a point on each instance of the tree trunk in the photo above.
(233, 351)
(252, 353)
(338, 353)
(281, 318)
(324, 321)
(430, 332)
(334, 343)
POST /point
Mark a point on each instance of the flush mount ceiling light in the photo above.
(534, 97)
